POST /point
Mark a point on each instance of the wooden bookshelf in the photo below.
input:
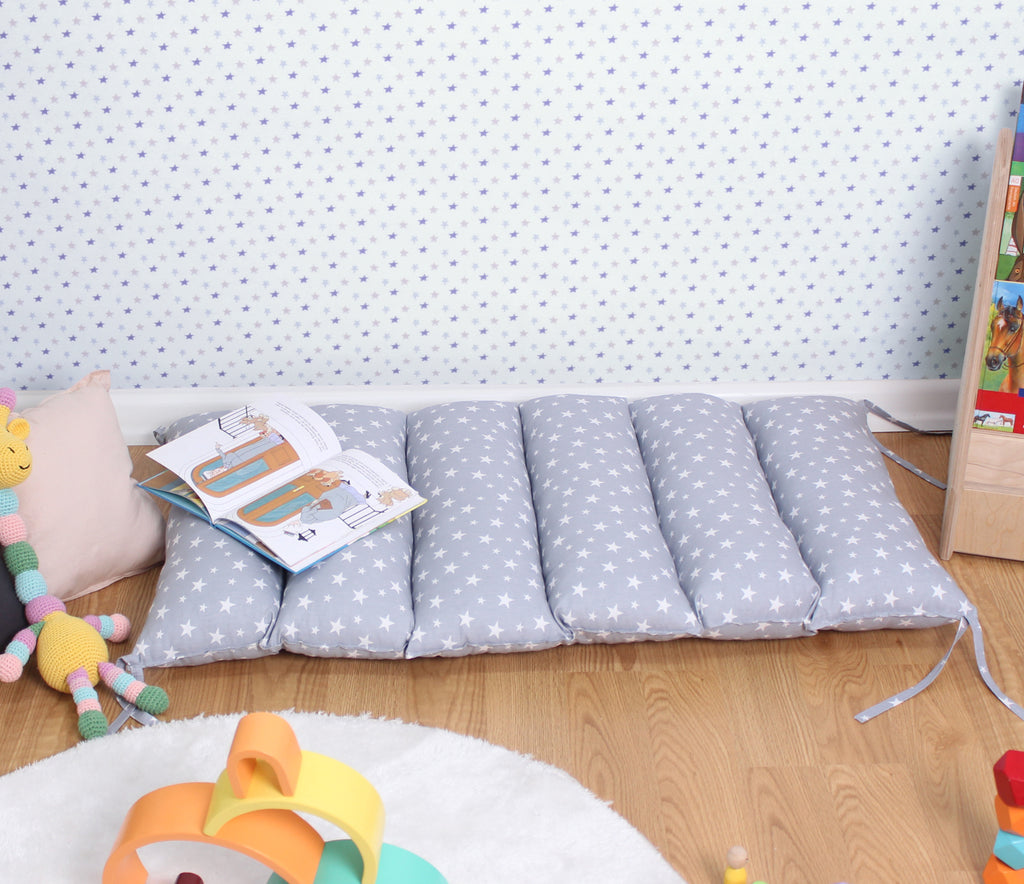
(984, 507)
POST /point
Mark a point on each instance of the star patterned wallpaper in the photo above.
(299, 192)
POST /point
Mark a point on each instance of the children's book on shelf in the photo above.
(999, 405)
(273, 475)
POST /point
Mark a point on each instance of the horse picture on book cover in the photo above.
(1006, 333)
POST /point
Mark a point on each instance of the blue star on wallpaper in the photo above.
(219, 193)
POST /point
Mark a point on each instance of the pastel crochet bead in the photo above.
(114, 627)
(30, 590)
(42, 606)
(11, 667)
(116, 679)
(84, 696)
(7, 397)
(122, 626)
(29, 585)
(12, 529)
(8, 502)
(20, 557)
(19, 648)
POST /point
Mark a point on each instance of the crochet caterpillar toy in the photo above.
(71, 652)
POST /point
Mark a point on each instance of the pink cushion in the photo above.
(89, 522)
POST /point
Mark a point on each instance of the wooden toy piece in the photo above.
(1009, 849)
(264, 737)
(280, 840)
(340, 864)
(1009, 774)
(736, 866)
(256, 807)
(997, 872)
(268, 771)
(1011, 819)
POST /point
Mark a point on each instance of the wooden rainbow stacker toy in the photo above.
(254, 808)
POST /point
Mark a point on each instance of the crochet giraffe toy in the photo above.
(71, 652)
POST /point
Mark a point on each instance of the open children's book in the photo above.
(273, 475)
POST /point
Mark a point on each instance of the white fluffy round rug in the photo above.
(479, 813)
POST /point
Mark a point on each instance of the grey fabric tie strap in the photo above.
(970, 619)
(892, 455)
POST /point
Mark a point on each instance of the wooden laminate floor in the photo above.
(699, 744)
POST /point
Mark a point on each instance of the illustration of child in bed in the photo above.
(317, 496)
(234, 468)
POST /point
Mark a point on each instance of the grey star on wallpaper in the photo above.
(220, 194)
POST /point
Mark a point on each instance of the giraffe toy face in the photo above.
(15, 457)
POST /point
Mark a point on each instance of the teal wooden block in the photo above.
(341, 863)
(1009, 848)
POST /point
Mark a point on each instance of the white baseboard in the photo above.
(927, 404)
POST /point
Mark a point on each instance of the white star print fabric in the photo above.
(358, 602)
(576, 518)
(580, 518)
(477, 581)
(215, 598)
(834, 492)
(609, 574)
(737, 561)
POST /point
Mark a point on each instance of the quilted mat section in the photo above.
(737, 561)
(476, 571)
(834, 492)
(609, 573)
(358, 602)
(215, 598)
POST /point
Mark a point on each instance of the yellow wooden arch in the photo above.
(254, 808)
